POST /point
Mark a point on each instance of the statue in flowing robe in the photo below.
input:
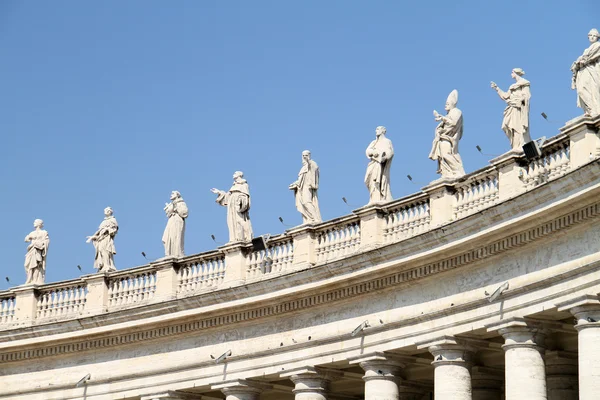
(380, 153)
(237, 201)
(516, 114)
(104, 242)
(173, 237)
(37, 250)
(586, 76)
(447, 135)
(305, 190)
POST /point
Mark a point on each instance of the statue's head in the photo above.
(237, 175)
(305, 155)
(452, 100)
(175, 195)
(380, 130)
(594, 35)
(517, 72)
(108, 211)
(38, 223)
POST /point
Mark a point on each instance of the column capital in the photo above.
(311, 380)
(448, 350)
(379, 366)
(241, 387)
(312, 372)
(520, 333)
(586, 309)
(170, 395)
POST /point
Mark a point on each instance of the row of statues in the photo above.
(380, 152)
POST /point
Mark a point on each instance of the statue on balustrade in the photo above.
(37, 251)
(104, 242)
(305, 190)
(173, 237)
(516, 114)
(237, 201)
(586, 76)
(447, 135)
(380, 153)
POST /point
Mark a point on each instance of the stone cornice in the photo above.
(289, 303)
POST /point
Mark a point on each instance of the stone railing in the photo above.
(307, 246)
(406, 217)
(131, 287)
(201, 272)
(8, 305)
(61, 300)
(554, 162)
(337, 238)
(477, 192)
(276, 258)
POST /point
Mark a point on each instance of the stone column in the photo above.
(586, 310)
(96, 301)
(311, 383)
(525, 371)
(382, 376)
(241, 389)
(452, 362)
(509, 174)
(372, 223)
(235, 261)
(561, 375)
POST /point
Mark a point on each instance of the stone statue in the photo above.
(586, 76)
(516, 114)
(447, 135)
(37, 250)
(173, 237)
(237, 200)
(380, 153)
(104, 242)
(305, 190)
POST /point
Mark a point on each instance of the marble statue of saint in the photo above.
(586, 76)
(447, 135)
(380, 153)
(173, 237)
(305, 190)
(516, 114)
(237, 200)
(37, 250)
(104, 242)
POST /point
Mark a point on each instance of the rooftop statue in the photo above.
(37, 250)
(237, 200)
(305, 190)
(104, 242)
(173, 237)
(380, 153)
(586, 76)
(516, 114)
(447, 135)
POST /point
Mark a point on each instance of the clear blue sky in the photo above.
(120, 102)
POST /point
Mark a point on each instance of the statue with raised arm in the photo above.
(237, 201)
(447, 135)
(104, 242)
(586, 76)
(516, 114)
(173, 237)
(305, 190)
(37, 250)
(380, 153)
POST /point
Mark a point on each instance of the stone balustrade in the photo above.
(305, 246)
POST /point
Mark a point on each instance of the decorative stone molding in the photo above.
(241, 389)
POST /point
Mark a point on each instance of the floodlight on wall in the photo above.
(497, 292)
(360, 328)
(83, 380)
(533, 149)
(222, 357)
